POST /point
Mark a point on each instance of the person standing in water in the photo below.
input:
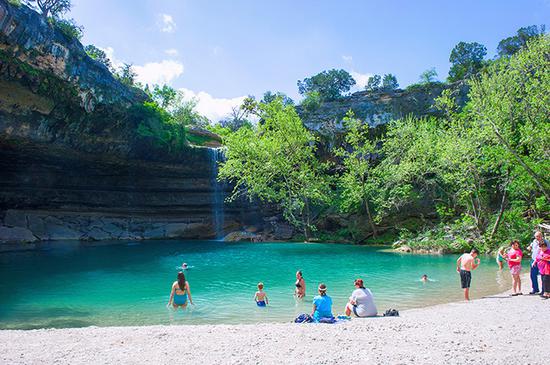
(500, 258)
(180, 292)
(514, 264)
(464, 266)
(261, 297)
(300, 284)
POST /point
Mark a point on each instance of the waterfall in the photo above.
(218, 192)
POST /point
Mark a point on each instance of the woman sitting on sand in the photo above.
(322, 304)
(180, 292)
(300, 284)
(361, 302)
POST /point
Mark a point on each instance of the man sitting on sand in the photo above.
(464, 266)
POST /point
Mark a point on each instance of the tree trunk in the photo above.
(307, 221)
(500, 213)
(373, 226)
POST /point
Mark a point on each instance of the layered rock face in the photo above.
(376, 109)
(72, 165)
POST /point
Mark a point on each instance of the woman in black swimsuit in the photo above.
(300, 284)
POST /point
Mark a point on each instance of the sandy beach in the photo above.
(491, 330)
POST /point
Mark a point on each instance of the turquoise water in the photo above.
(74, 285)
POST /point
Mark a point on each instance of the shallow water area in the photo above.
(74, 284)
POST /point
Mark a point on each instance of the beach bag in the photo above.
(303, 318)
(391, 313)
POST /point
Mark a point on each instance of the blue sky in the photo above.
(219, 51)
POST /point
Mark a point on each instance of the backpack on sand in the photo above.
(303, 318)
(391, 313)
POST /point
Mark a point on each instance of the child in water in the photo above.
(261, 297)
(424, 278)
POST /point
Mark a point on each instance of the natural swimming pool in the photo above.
(72, 284)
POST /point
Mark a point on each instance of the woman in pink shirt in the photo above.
(543, 263)
(514, 257)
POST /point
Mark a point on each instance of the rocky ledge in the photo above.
(73, 165)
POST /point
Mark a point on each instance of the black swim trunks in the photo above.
(465, 278)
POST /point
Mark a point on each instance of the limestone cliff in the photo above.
(73, 166)
(376, 109)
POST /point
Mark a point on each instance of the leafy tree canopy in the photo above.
(270, 96)
(373, 83)
(276, 162)
(513, 44)
(53, 8)
(428, 76)
(466, 60)
(389, 82)
(329, 84)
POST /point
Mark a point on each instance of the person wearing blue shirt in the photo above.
(322, 304)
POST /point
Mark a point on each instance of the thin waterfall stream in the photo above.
(218, 192)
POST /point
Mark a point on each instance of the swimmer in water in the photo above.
(184, 266)
(424, 278)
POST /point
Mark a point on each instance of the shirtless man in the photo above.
(464, 266)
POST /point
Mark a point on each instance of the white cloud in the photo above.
(151, 73)
(347, 59)
(166, 23)
(360, 79)
(162, 72)
(171, 52)
(213, 108)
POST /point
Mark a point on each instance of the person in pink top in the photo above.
(514, 257)
(543, 263)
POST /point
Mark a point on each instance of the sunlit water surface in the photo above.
(73, 285)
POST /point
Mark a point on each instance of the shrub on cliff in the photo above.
(99, 55)
(68, 27)
(155, 123)
(330, 85)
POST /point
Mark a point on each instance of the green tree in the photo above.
(99, 55)
(270, 96)
(329, 84)
(359, 184)
(276, 163)
(373, 83)
(428, 76)
(389, 82)
(511, 104)
(184, 111)
(311, 102)
(511, 45)
(126, 75)
(236, 120)
(466, 60)
(164, 95)
(53, 8)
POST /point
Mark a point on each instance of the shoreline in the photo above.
(478, 331)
